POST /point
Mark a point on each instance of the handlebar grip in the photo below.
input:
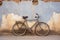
(36, 13)
(35, 16)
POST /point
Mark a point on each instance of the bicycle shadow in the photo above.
(28, 33)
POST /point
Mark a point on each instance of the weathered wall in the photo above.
(45, 10)
(52, 0)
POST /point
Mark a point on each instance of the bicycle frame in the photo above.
(36, 22)
(27, 26)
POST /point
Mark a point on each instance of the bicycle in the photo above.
(40, 28)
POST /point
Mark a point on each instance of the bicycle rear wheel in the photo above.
(42, 29)
(18, 29)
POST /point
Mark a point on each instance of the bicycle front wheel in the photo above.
(18, 29)
(42, 29)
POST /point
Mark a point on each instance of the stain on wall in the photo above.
(45, 10)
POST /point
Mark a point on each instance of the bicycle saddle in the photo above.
(24, 17)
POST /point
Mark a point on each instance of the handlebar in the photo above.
(37, 15)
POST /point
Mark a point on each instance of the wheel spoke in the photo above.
(42, 29)
(19, 29)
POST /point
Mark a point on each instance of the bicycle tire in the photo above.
(21, 28)
(42, 31)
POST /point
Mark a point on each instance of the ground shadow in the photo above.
(6, 32)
